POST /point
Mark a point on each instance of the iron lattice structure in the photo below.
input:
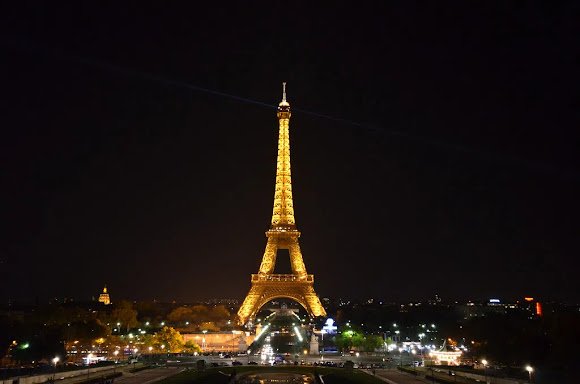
(282, 234)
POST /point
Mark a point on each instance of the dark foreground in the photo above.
(223, 375)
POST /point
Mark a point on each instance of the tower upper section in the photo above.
(283, 213)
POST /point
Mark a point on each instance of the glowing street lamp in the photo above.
(530, 369)
(116, 361)
(55, 360)
(484, 362)
(322, 332)
(401, 356)
(89, 358)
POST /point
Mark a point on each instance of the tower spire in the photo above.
(283, 103)
(283, 212)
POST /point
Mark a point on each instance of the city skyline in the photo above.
(433, 152)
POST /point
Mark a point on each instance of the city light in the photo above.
(530, 370)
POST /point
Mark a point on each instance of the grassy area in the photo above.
(221, 375)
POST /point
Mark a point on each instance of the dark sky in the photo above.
(434, 147)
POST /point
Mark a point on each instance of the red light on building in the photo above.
(538, 308)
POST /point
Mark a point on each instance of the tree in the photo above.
(125, 314)
(86, 330)
(372, 342)
(191, 347)
(349, 339)
(219, 313)
(208, 326)
(180, 315)
(199, 313)
(170, 338)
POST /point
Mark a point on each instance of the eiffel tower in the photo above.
(282, 234)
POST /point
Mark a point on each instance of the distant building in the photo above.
(232, 341)
(104, 297)
(446, 357)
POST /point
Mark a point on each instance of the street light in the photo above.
(401, 356)
(484, 362)
(89, 358)
(530, 370)
(414, 352)
(322, 332)
(115, 365)
(54, 361)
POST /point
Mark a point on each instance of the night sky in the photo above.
(434, 147)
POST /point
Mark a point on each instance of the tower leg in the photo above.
(250, 304)
(298, 267)
(269, 259)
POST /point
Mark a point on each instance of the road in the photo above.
(142, 377)
(397, 377)
(148, 375)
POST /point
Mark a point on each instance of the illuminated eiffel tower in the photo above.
(283, 234)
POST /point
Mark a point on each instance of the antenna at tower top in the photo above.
(284, 104)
